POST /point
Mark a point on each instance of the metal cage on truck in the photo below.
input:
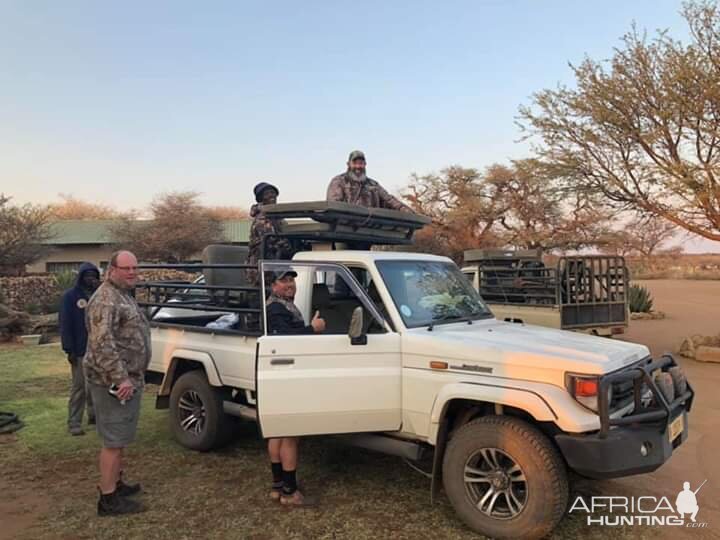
(589, 290)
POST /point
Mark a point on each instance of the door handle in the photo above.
(282, 361)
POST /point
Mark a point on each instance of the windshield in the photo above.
(429, 292)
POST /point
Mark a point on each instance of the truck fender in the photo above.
(514, 396)
(178, 356)
(521, 398)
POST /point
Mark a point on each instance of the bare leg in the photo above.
(274, 449)
(110, 459)
(289, 453)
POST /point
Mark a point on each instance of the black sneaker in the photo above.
(91, 421)
(115, 505)
(127, 490)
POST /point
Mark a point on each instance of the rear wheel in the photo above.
(505, 479)
(197, 419)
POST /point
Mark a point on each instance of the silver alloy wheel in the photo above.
(495, 483)
(192, 412)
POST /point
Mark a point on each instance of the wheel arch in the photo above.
(184, 360)
(458, 404)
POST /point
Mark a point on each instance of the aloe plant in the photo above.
(640, 299)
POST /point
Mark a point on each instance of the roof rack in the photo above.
(487, 255)
(329, 221)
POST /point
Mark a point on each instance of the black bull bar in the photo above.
(662, 411)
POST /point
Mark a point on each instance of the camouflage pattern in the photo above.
(275, 248)
(287, 304)
(356, 154)
(366, 192)
(118, 338)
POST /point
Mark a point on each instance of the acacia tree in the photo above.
(521, 206)
(463, 207)
(643, 129)
(643, 235)
(541, 212)
(23, 231)
(72, 208)
(179, 227)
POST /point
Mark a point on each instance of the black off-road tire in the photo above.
(216, 428)
(545, 477)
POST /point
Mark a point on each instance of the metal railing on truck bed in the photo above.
(184, 304)
(593, 290)
(589, 290)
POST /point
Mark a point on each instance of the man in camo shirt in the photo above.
(354, 187)
(118, 353)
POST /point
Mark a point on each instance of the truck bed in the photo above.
(231, 354)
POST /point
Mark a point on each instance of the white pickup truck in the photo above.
(412, 360)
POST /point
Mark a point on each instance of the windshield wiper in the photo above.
(448, 316)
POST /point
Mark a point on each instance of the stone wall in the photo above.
(39, 293)
(20, 292)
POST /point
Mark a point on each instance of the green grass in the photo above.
(222, 494)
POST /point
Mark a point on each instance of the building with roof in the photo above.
(77, 241)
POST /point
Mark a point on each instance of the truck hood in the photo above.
(503, 349)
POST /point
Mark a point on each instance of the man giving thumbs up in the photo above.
(283, 317)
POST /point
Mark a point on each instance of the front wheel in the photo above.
(505, 479)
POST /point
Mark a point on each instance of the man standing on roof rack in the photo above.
(262, 225)
(354, 187)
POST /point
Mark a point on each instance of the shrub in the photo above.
(640, 299)
(65, 280)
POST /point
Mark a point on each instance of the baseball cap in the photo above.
(262, 186)
(356, 154)
(271, 277)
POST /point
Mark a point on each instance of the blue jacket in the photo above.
(72, 315)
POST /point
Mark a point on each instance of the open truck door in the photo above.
(314, 384)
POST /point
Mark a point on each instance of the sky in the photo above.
(117, 102)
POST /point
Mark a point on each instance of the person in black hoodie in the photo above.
(74, 341)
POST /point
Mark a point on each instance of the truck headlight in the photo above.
(585, 390)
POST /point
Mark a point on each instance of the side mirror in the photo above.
(356, 333)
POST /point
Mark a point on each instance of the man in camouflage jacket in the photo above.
(354, 187)
(118, 353)
(275, 248)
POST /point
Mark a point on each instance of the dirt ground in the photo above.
(47, 502)
(692, 307)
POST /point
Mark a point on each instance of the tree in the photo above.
(227, 213)
(541, 212)
(643, 235)
(73, 208)
(23, 231)
(179, 228)
(520, 206)
(463, 208)
(643, 129)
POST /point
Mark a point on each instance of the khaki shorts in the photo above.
(115, 423)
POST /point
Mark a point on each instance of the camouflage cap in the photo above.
(273, 276)
(355, 154)
(261, 187)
